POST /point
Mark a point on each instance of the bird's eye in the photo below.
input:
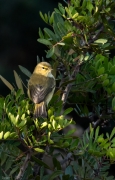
(43, 68)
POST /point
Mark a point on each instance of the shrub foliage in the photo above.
(79, 42)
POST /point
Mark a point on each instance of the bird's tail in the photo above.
(40, 110)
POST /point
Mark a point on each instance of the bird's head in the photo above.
(43, 68)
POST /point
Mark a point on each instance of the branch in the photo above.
(96, 35)
(69, 155)
(69, 86)
(24, 166)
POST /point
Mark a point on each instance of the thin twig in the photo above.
(69, 86)
(96, 35)
(24, 166)
(69, 155)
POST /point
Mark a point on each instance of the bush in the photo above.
(79, 40)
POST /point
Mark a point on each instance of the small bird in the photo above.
(41, 86)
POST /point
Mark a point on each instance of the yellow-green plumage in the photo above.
(41, 88)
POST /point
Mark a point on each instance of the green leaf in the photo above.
(38, 161)
(41, 15)
(101, 70)
(60, 43)
(55, 27)
(55, 174)
(105, 82)
(112, 70)
(70, 132)
(67, 111)
(25, 71)
(51, 18)
(18, 81)
(61, 8)
(69, 170)
(62, 28)
(96, 133)
(44, 41)
(39, 150)
(113, 87)
(41, 34)
(8, 165)
(75, 15)
(74, 144)
(41, 172)
(56, 163)
(112, 133)
(44, 124)
(13, 135)
(113, 103)
(1, 134)
(23, 122)
(13, 170)
(50, 34)
(6, 135)
(89, 6)
(46, 18)
(13, 119)
(101, 41)
(7, 83)
(50, 52)
(4, 157)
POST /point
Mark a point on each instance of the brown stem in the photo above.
(69, 86)
(24, 166)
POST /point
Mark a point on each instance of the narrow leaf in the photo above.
(101, 41)
(18, 81)
(7, 83)
(6, 135)
(14, 170)
(113, 103)
(41, 15)
(50, 52)
(96, 133)
(25, 71)
(38, 161)
(60, 43)
(1, 134)
(39, 150)
(55, 174)
(67, 111)
(44, 41)
(50, 33)
(41, 34)
(112, 133)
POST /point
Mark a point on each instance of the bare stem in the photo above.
(68, 87)
(24, 166)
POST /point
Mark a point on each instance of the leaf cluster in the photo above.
(79, 41)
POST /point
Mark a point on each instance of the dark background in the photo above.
(19, 24)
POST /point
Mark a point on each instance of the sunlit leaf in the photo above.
(6, 135)
(39, 150)
(1, 134)
(101, 41)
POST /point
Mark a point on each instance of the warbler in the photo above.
(41, 86)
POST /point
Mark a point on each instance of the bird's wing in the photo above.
(39, 92)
